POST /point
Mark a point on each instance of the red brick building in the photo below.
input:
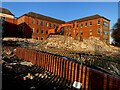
(96, 25)
(8, 22)
(36, 26)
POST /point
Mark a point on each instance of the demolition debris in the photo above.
(19, 74)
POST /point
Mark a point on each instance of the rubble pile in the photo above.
(91, 45)
(59, 44)
(21, 40)
(62, 42)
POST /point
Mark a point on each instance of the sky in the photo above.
(66, 10)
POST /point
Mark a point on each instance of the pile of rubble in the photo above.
(22, 40)
(91, 45)
(59, 43)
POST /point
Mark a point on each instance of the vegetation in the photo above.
(116, 33)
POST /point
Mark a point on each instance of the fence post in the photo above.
(67, 67)
(69, 72)
(61, 68)
(73, 72)
(76, 72)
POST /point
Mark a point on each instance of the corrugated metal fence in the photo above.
(91, 79)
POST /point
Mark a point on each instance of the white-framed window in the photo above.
(90, 23)
(105, 32)
(50, 24)
(81, 32)
(98, 31)
(47, 24)
(32, 30)
(105, 23)
(98, 22)
(42, 23)
(33, 21)
(81, 25)
(90, 31)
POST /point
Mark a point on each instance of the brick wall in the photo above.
(86, 30)
(30, 23)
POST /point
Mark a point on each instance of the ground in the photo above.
(91, 52)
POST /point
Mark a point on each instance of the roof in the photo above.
(5, 11)
(43, 17)
(89, 18)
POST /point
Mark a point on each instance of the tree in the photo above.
(116, 33)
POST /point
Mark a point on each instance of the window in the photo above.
(47, 24)
(105, 23)
(2, 20)
(37, 38)
(32, 30)
(38, 22)
(85, 24)
(42, 23)
(90, 32)
(32, 21)
(54, 26)
(50, 24)
(77, 26)
(77, 34)
(46, 31)
(69, 34)
(42, 38)
(81, 25)
(105, 32)
(98, 22)
(37, 30)
(98, 31)
(81, 33)
(42, 31)
(90, 23)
